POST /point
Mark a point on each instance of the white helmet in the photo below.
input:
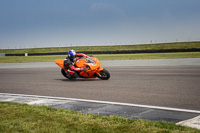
(72, 54)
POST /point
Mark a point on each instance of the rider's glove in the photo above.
(84, 69)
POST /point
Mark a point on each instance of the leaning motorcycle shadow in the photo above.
(79, 80)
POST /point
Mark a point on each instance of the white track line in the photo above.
(107, 102)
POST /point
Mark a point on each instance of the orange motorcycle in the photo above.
(92, 65)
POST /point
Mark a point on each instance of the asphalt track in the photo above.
(172, 83)
(161, 85)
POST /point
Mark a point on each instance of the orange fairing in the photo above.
(59, 62)
(93, 64)
(80, 62)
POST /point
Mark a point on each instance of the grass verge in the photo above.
(51, 58)
(26, 118)
(177, 45)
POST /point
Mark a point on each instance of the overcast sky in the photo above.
(44, 23)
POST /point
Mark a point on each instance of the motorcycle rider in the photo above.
(69, 63)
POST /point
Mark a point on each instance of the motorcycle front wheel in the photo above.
(104, 74)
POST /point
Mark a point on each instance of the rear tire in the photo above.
(104, 74)
(66, 74)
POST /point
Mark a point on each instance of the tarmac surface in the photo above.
(144, 62)
(164, 90)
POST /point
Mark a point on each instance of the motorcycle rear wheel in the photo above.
(66, 75)
(104, 74)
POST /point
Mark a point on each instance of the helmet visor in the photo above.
(73, 56)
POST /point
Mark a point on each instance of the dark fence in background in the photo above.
(114, 52)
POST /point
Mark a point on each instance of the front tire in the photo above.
(104, 74)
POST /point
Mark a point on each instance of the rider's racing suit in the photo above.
(69, 65)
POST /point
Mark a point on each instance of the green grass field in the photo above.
(178, 45)
(51, 58)
(17, 117)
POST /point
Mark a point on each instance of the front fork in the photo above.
(98, 72)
